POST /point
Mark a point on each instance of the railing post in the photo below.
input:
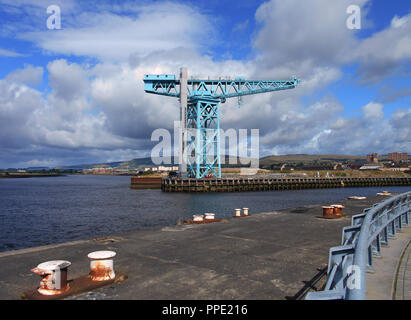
(405, 215)
(391, 233)
(336, 272)
(384, 240)
(369, 260)
(399, 224)
(377, 247)
(349, 233)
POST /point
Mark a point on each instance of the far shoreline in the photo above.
(30, 175)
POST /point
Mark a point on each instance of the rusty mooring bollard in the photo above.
(337, 209)
(238, 212)
(198, 217)
(54, 277)
(328, 211)
(209, 216)
(245, 211)
(102, 265)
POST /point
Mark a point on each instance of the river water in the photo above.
(40, 211)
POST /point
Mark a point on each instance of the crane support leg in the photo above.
(183, 122)
(203, 122)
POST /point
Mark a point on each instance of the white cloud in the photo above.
(10, 53)
(373, 111)
(30, 75)
(299, 36)
(296, 31)
(111, 36)
(61, 120)
(398, 22)
(68, 80)
(386, 52)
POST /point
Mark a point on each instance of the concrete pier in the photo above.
(263, 256)
(268, 184)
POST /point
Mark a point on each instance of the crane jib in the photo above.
(221, 89)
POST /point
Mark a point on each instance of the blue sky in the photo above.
(75, 95)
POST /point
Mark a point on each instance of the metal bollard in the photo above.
(102, 265)
(198, 217)
(328, 211)
(209, 216)
(54, 277)
(245, 210)
(238, 212)
(337, 209)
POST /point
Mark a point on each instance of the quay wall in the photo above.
(146, 182)
(269, 184)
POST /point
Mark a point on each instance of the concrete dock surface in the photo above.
(264, 256)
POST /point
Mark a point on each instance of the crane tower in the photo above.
(199, 150)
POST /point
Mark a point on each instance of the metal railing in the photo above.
(369, 231)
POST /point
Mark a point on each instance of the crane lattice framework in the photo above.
(200, 110)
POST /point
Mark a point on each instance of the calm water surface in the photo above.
(40, 211)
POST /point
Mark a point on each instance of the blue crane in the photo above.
(200, 100)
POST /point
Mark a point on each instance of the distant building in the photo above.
(122, 171)
(167, 169)
(161, 169)
(398, 157)
(99, 171)
(372, 158)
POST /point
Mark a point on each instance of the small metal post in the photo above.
(391, 234)
(384, 240)
(406, 221)
(377, 247)
(238, 212)
(245, 211)
(399, 224)
(369, 260)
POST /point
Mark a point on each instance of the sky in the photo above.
(75, 95)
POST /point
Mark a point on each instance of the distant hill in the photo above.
(134, 164)
(264, 162)
(312, 157)
(305, 159)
